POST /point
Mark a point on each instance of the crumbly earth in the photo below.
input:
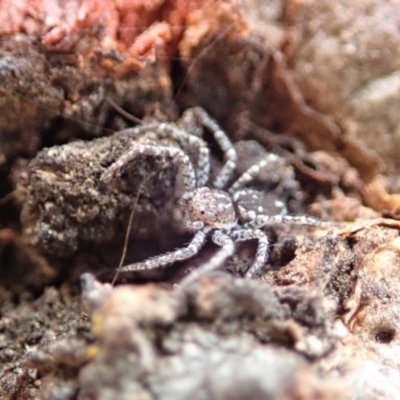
(27, 325)
(323, 320)
(359, 38)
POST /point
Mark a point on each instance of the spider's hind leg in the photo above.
(251, 203)
(261, 221)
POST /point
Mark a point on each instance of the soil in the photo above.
(322, 320)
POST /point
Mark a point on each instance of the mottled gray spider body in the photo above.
(212, 207)
(208, 211)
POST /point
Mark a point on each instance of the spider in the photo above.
(208, 209)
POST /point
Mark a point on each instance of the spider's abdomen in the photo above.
(213, 207)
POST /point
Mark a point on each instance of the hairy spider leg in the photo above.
(177, 255)
(254, 220)
(227, 249)
(188, 174)
(173, 153)
(166, 130)
(260, 221)
(184, 139)
(252, 173)
(230, 155)
(262, 249)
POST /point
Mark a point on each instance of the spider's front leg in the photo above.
(226, 250)
(184, 139)
(174, 154)
(166, 259)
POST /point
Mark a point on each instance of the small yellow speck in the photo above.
(93, 351)
(97, 323)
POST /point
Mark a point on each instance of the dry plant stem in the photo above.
(7, 197)
(218, 38)
(125, 114)
(129, 227)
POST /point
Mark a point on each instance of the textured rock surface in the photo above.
(344, 57)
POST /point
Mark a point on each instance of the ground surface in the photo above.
(323, 320)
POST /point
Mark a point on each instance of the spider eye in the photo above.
(202, 212)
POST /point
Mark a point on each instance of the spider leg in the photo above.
(249, 175)
(230, 156)
(260, 221)
(256, 219)
(251, 197)
(173, 153)
(166, 130)
(184, 139)
(177, 255)
(226, 250)
(262, 249)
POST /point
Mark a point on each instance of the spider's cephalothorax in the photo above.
(212, 207)
(213, 211)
